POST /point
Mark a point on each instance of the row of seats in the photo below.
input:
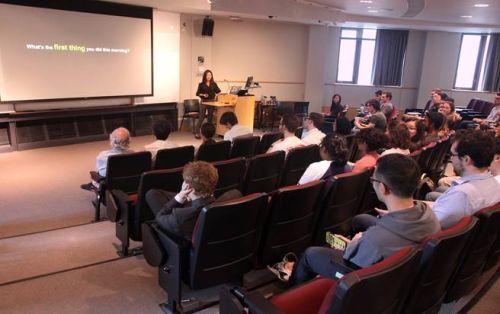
(262, 229)
(125, 192)
(447, 266)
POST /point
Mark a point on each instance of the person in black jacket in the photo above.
(207, 91)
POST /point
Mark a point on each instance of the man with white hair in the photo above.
(119, 140)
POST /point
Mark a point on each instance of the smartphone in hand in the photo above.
(335, 241)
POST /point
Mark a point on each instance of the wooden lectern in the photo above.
(242, 106)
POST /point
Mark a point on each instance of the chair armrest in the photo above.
(118, 205)
(96, 176)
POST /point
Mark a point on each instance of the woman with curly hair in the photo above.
(369, 141)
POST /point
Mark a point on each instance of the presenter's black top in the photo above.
(210, 90)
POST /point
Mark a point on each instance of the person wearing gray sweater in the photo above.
(405, 223)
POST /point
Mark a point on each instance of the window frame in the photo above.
(357, 54)
(479, 62)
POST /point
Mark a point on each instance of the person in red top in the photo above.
(370, 141)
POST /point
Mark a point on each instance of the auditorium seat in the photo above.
(380, 288)
(369, 198)
(296, 162)
(222, 248)
(340, 203)
(263, 173)
(123, 172)
(214, 151)
(475, 255)
(291, 222)
(191, 111)
(441, 253)
(231, 175)
(170, 158)
(129, 215)
(244, 146)
(267, 140)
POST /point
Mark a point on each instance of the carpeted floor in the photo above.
(40, 188)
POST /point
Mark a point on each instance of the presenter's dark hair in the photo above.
(291, 122)
(162, 129)
(207, 130)
(374, 103)
(205, 76)
(228, 117)
(340, 98)
(399, 173)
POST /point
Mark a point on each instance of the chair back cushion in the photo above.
(231, 175)
(263, 173)
(225, 240)
(296, 163)
(267, 140)
(342, 196)
(124, 171)
(244, 146)
(170, 158)
(441, 254)
(291, 223)
(360, 291)
(191, 105)
(475, 256)
(214, 151)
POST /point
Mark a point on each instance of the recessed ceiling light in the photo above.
(481, 5)
(366, 1)
(373, 11)
(466, 16)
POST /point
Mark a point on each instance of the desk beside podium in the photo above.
(242, 106)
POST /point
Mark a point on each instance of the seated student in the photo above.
(336, 107)
(387, 107)
(369, 142)
(406, 222)
(161, 130)
(435, 123)
(119, 140)
(288, 125)
(178, 213)
(447, 108)
(333, 152)
(311, 134)
(207, 133)
(230, 120)
(399, 139)
(471, 154)
(416, 128)
(430, 102)
(495, 164)
(376, 119)
(493, 116)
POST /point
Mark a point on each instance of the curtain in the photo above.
(492, 69)
(390, 51)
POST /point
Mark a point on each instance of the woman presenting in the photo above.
(207, 91)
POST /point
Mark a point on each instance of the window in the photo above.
(471, 62)
(357, 48)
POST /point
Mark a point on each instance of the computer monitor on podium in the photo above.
(249, 82)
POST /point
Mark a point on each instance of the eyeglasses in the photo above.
(372, 179)
(452, 154)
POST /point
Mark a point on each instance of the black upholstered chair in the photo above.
(219, 252)
(123, 172)
(170, 158)
(231, 175)
(191, 111)
(296, 163)
(441, 255)
(244, 146)
(263, 173)
(356, 292)
(475, 256)
(340, 204)
(130, 214)
(214, 152)
(292, 219)
(267, 140)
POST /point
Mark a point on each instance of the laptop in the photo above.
(234, 90)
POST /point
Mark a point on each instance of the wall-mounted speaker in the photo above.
(208, 27)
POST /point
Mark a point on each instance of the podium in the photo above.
(242, 106)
